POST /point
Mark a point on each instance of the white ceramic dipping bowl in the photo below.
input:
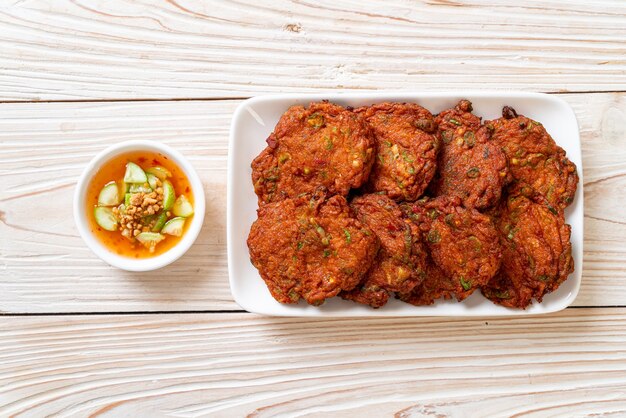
(127, 263)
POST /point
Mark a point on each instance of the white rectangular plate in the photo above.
(255, 119)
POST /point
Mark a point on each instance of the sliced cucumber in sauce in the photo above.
(149, 220)
(169, 195)
(137, 188)
(134, 174)
(105, 218)
(160, 172)
(109, 195)
(160, 221)
(174, 227)
(182, 207)
(150, 239)
(136, 180)
(152, 180)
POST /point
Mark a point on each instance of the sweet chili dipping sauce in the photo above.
(139, 204)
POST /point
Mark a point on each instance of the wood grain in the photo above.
(45, 267)
(89, 49)
(227, 365)
(571, 363)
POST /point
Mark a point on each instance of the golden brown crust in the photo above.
(436, 285)
(534, 157)
(463, 243)
(400, 263)
(470, 165)
(367, 293)
(536, 250)
(301, 249)
(406, 149)
(496, 223)
(322, 145)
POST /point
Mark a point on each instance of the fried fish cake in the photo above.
(537, 253)
(463, 243)
(436, 285)
(367, 293)
(534, 157)
(400, 263)
(460, 115)
(321, 145)
(406, 149)
(470, 165)
(301, 249)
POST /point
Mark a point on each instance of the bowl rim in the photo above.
(127, 263)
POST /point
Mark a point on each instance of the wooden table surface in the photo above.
(79, 338)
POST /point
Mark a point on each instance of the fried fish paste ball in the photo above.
(400, 263)
(470, 165)
(322, 145)
(537, 254)
(463, 242)
(406, 149)
(534, 157)
(302, 250)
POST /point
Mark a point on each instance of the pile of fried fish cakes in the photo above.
(390, 199)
